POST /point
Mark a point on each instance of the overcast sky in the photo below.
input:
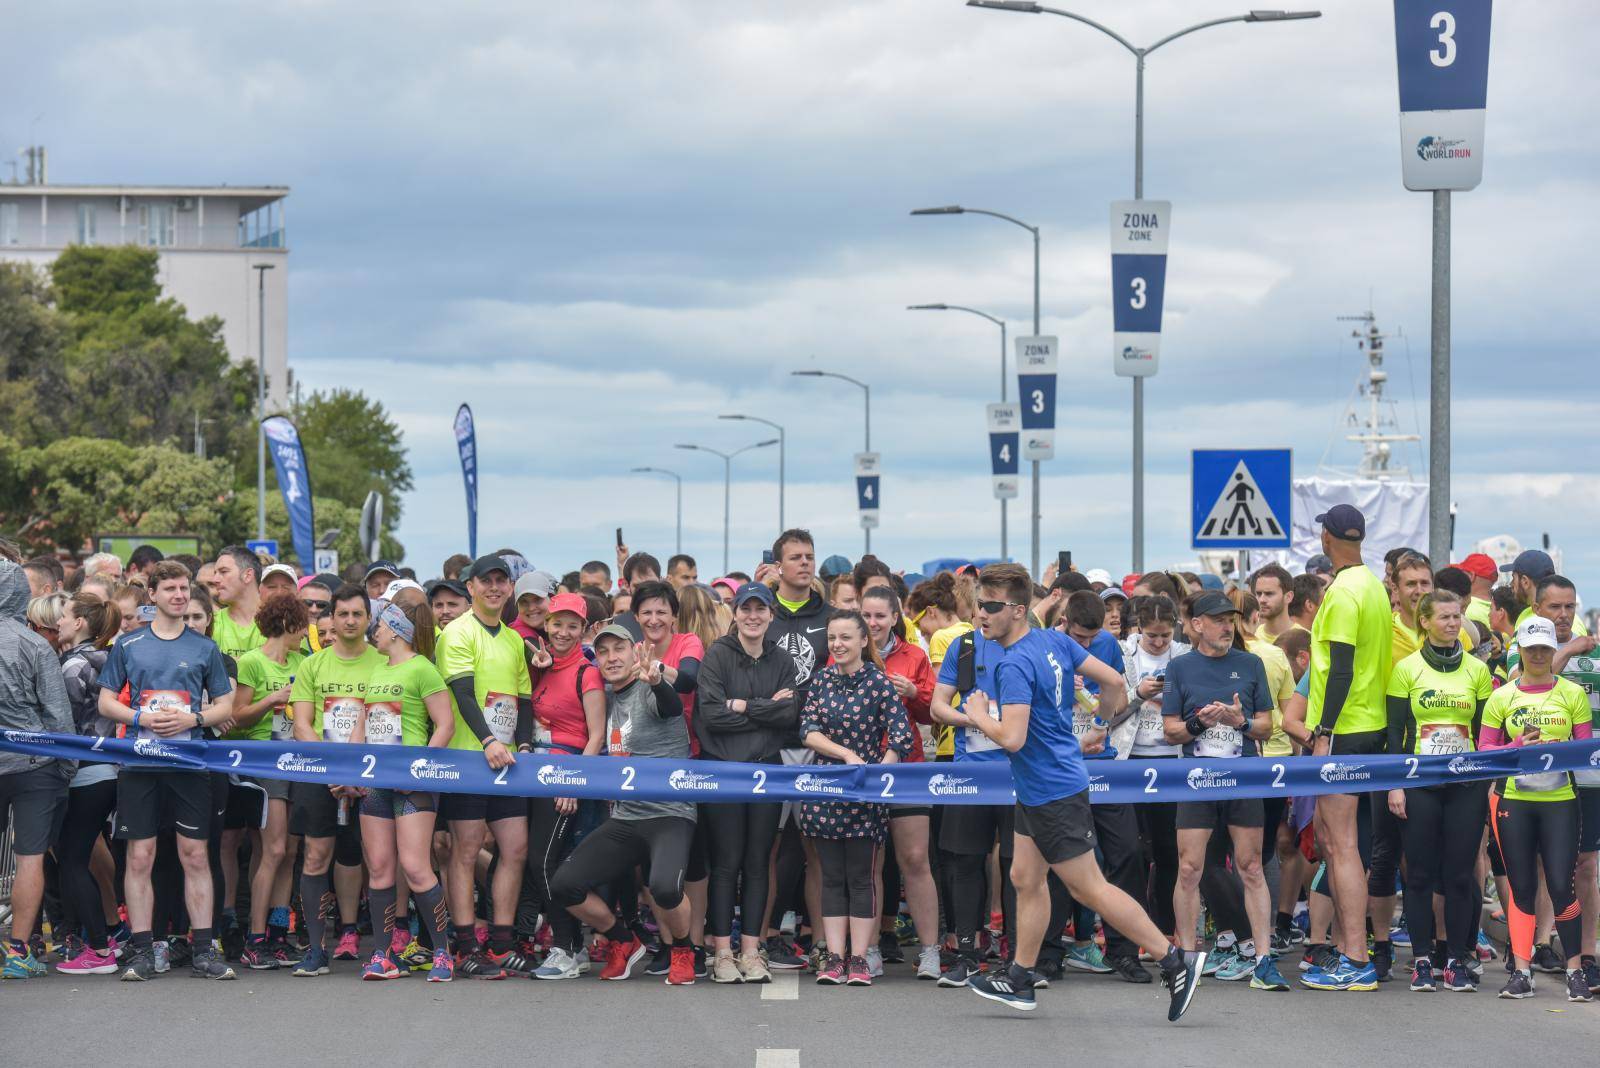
(603, 224)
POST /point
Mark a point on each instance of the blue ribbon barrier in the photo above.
(983, 782)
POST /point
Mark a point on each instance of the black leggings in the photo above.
(549, 843)
(1531, 833)
(87, 809)
(740, 838)
(1385, 860)
(660, 843)
(1158, 827)
(849, 870)
(1442, 829)
(969, 896)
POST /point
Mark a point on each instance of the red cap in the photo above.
(1129, 582)
(570, 602)
(1480, 566)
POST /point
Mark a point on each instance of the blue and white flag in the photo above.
(467, 443)
(294, 480)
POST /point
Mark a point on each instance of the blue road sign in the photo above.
(1442, 54)
(1004, 448)
(264, 547)
(1138, 284)
(1239, 498)
(868, 488)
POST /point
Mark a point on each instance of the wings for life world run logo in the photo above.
(952, 786)
(1344, 773)
(550, 775)
(1433, 148)
(808, 783)
(423, 768)
(1136, 354)
(151, 748)
(1099, 785)
(300, 763)
(1594, 759)
(1209, 779)
(27, 738)
(1465, 765)
(684, 779)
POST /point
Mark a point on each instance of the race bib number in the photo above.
(151, 701)
(283, 724)
(1151, 731)
(383, 723)
(1219, 741)
(1541, 781)
(1442, 739)
(339, 716)
(500, 712)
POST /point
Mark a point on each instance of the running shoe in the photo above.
(1399, 935)
(1218, 958)
(754, 968)
(1344, 975)
(20, 965)
(831, 972)
(1422, 975)
(1128, 969)
(315, 962)
(257, 956)
(1319, 957)
(1266, 975)
(1577, 986)
(160, 956)
(660, 960)
(781, 956)
(283, 953)
(414, 957)
(858, 972)
(1382, 960)
(1282, 942)
(512, 962)
(140, 967)
(681, 973)
(621, 957)
(1460, 978)
(960, 972)
(1591, 974)
(558, 964)
(232, 942)
(380, 967)
(443, 970)
(1545, 960)
(88, 962)
(179, 951)
(349, 947)
(1519, 985)
(1486, 948)
(1011, 986)
(724, 969)
(1236, 967)
(700, 962)
(478, 965)
(889, 949)
(1087, 958)
(584, 961)
(1181, 981)
(207, 963)
(874, 959)
(817, 958)
(928, 963)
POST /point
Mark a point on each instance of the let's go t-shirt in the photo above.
(233, 639)
(1037, 671)
(264, 675)
(499, 673)
(336, 689)
(1443, 703)
(1355, 612)
(182, 673)
(397, 713)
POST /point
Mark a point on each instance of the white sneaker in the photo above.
(160, 949)
(582, 960)
(928, 963)
(874, 961)
(558, 964)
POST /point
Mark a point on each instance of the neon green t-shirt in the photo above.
(264, 675)
(1477, 610)
(793, 606)
(336, 689)
(233, 639)
(499, 673)
(1356, 612)
(1443, 703)
(396, 712)
(1555, 712)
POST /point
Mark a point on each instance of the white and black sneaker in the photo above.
(960, 973)
(1013, 986)
(1181, 979)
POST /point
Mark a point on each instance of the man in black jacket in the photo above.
(800, 617)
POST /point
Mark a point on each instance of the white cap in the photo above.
(1098, 574)
(401, 584)
(538, 583)
(279, 569)
(1537, 630)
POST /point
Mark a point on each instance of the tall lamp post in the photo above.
(782, 447)
(727, 483)
(261, 270)
(866, 391)
(679, 480)
(1001, 323)
(956, 209)
(1139, 54)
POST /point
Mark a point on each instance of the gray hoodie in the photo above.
(32, 694)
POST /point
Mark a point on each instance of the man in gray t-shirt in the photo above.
(644, 718)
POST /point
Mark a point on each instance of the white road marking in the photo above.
(777, 1058)
(785, 986)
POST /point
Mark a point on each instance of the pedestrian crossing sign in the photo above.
(1239, 498)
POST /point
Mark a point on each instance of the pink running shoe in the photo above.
(88, 962)
(380, 967)
(349, 947)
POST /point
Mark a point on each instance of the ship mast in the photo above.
(1379, 429)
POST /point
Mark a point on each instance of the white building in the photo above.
(210, 240)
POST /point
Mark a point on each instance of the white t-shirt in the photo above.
(1150, 741)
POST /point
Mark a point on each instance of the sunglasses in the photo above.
(317, 606)
(994, 607)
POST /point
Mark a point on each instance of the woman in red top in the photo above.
(912, 677)
(569, 709)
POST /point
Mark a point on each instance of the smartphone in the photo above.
(147, 613)
(620, 542)
(1063, 562)
(766, 557)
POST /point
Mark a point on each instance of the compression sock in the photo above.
(230, 919)
(316, 896)
(278, 923)
(435, 917)
(381, 904)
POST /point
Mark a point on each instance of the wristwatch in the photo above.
(199, 721)
(1321, 732)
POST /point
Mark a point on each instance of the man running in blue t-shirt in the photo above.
(1054, 827)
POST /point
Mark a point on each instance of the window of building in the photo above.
(157, 223)
(10, 229)
(86, 217)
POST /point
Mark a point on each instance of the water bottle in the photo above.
(344, 812)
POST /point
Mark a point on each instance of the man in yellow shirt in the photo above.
(1271, 587)
(1413, 577)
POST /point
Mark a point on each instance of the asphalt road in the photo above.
(273, 1018)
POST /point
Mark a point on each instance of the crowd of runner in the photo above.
(134, 871)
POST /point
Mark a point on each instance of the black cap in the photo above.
(383, 565)
(485, 564)
(1212, 603)
(1534, 563)
(457, 588)
(1345, 522)
(623, 626)
(1319, 564)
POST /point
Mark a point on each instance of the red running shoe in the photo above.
(858, 972)
(681, 971)
(622, 956)
(831, 973)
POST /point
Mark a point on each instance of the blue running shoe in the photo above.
(1217, 958)
(443, 970)
(1344, 975)
(20, 966)
(1399, 935)
(315, 962)
(1267, 976)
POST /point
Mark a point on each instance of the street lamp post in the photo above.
(727, 483)
(1001, 323)
(782, 447)
(261, 270)
(956, 209)
(679, 479)
(867, 393)
(1139, 55)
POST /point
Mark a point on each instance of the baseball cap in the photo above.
(1111, 592)
(1537, 630)
(485, 564)
(400, 584)
(1345, 522)
(1098, 574)
(570, 602)
(1129, 581)
(1319, 564)
(538, 583)
(1212, 603)
(834, 566)
(754, 591)
(731, 585)
(1534, 563)
(454, 586)
(1208, 581)
(279, 569)
(379, 566)
(622, 625)
(1479, 565)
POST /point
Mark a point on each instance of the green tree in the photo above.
(353, 447)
